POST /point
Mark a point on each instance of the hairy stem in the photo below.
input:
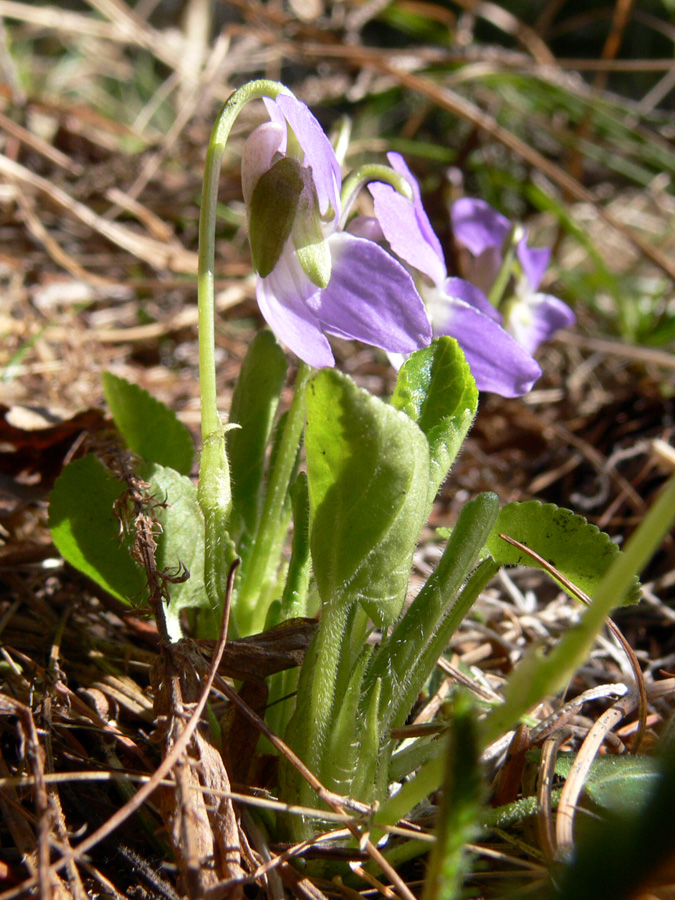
(214, 475)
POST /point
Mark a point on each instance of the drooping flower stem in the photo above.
(509, 259)
(342, 132)
(207, 240)
(360, 177)
(214, 478)
(263, 561)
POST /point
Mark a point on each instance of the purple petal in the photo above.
(366, 227)
(534, 261)
(463, 290)
(258, 153)
(398, 164)
(319, 154)
(497, 362)
(283, 298)
(478, 226)
(372, 298)
(536, 318)
(400, 222)
(275, 114)
(481, 270)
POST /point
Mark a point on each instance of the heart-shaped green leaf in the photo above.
(180, 539)
(148, 427)
(87, 532)
(617, 783)
(577, 549)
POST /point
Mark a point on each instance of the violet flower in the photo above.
(314, 279)
(457, 308)
(530, 316)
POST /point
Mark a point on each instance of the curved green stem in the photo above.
(509, 260)
(360, 177)
(214, 491)
(207, 243)
(342, 131)
(263, 561)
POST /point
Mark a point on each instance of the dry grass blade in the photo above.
(581, 766)
(558, 719)
(35, 142)
(161, 772)
(7, 782)
(34, 752)
(664, 452)
(160, 254)
(610, 49)
(503, 19)
(198, 816)
(61, 837)
(630, 653)
(185, 318)
(303, 888)
(336, 802)
(646, 355)
(511, 771)
(70, 698)
(587, 753)
(196, 97)
(545, 826)
(53, 248)
(122, 25)
(380, 61)
(370, 879)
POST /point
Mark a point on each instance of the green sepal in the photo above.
(308, 237)
(316, 261)
(272, 211)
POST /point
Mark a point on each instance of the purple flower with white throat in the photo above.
(531, 316)
(457, 308)
(314, 279)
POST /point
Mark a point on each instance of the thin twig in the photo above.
(143, 793)
(446, 99)
(613, 627)
(587, 753)
(335, 801)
